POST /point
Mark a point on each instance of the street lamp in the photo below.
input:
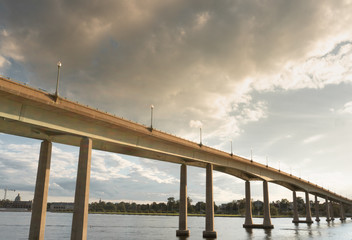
(231, 148)
(200, 136)
(57, 80)
(151, 116)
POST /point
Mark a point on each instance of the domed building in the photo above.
(21, 204)
(18, 198)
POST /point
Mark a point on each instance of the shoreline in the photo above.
(146, 214)
(190, 214)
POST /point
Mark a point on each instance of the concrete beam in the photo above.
(308, 211)
(327, 205)
(80, 211)
(209, 215)
(37, 227)
(317, 219)
(248, 220)
(183, 231)
(331, 211)
(295, 209)
(267, 217)
(342, 212)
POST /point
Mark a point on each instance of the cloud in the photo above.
(195, 124)
(313, 138)
(347, 108)
(191, 58)
(316, 72)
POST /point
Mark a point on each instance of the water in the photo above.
(15, 225)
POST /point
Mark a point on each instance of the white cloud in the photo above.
(4, 62)
(195, 124)
(315, 72)
(347, 108)
(314, 138)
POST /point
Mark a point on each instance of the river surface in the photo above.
(15, 225)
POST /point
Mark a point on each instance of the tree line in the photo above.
(281, 207)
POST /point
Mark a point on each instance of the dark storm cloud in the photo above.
(124, 55)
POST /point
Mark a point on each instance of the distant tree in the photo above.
(121, 207)
(301, 206)
(273, 210)
(200, 207)
(284, 206)
(241, 206)
(162, 208)
(171, 204)
(190, 207)
(154, 207)
(110, 207)
(133, 207)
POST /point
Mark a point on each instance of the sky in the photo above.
(272, 76)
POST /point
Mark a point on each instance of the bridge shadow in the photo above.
(182, 238)
(251, 236)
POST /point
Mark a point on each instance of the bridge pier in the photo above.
(266, 205)
(328, 218)
(80, 211)
(317, 219)
(37, 227)
(295, 209)
(248, 223)
(183, 231)
(331, 211)
(209, 215)
(267, 217)
(308, 211)
(342, 212)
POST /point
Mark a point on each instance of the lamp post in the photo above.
(200, 136)
(57, 81)
(231, 149)
(151, 116)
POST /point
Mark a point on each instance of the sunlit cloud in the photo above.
(313, 138)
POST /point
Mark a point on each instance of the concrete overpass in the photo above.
(28, 112)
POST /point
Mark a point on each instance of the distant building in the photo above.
(21, 204)
(18, 198)
(61, 206)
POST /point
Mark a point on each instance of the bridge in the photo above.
(32, 113)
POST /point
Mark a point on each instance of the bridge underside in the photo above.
(35, 114)
(19, 128)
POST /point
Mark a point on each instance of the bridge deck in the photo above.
(28, 112)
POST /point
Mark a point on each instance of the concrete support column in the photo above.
(332, 211)
(37, 226)
(342, 212)
(248, 221)
(80, 211)
(328, 218)
(316, 209)
(209, 218)
(308, 211)
(183, 231)
(267, 217)
(295, 209)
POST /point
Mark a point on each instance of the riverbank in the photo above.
(14, 210)
(190, 214)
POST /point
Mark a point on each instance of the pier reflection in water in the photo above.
(15, 225)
